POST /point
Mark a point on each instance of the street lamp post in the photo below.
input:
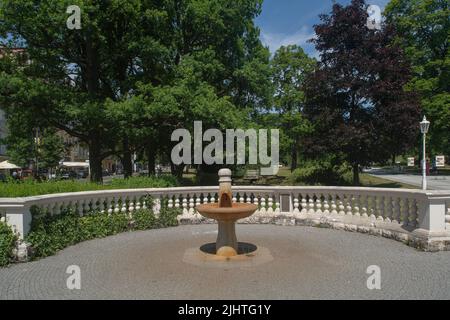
(424, 126)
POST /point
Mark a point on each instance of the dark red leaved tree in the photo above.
(355, 98)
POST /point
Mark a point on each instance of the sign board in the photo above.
(440, 161)
(411, 162)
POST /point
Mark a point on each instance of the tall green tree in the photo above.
(75, 79)
(27, 143)
(355, 99)
(423, 28)
(290, 66)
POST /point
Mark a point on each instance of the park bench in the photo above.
(251, 175)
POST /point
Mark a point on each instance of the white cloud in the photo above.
(276, 40)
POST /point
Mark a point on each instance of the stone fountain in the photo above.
(226, 213)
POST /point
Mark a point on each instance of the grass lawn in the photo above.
(377, 182)
(282, 178)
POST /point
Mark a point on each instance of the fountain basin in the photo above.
(235, 212)
(226, 218)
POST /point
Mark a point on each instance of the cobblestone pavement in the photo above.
(309, 263)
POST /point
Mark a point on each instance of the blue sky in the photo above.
(284, 22)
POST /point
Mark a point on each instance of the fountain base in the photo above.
(248, 255)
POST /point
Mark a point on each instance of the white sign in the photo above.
(440, 161)
(411, 162)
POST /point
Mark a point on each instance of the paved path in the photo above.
(309, 263)
(434, 182)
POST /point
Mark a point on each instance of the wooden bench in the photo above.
(252, 175)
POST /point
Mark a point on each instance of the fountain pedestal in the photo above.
(226, 213)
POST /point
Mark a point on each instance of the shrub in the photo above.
(32, 187)
(7, 242)
(144, 219)
(168, 216)
(51, 233)
(321, 172)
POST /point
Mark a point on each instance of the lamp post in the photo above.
(424, 126)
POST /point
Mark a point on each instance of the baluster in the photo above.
(277, 205)
(197, 203)
(333, 204)
(263, 206)
(241, 198)
(388, 209)
(177, 202)
(185, 206)
(349, 205)
(341, 205)
(403, 211)
(115, 205)
(310, 204)
(138, 203)
(213, 198)
(124, 204)
(296, 206)
(381, 211)
(396, 210)
(357, 205)
(372, 207)
(304, 204)
(103, 206)
(270, 206)
(326, 206)
(256, 203)
(110, 204)
(365, 206)
(249, 198)
(412, 212)
(131, 204)
(191, 206)
(82, 207)
(234, 199)
(318, 203)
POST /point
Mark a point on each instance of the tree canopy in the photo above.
(355, 98)
(133, 68)
(423, 29)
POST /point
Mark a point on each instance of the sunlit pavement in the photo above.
(434, 182)
(308, 263)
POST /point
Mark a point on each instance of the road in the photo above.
(434, 182)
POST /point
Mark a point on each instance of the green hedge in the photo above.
(7, 243)
(321, 172)
(32, 187)
(51, 233)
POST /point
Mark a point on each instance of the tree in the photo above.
(71, 73)
(423, 32)
(80, 79)
(290, 66)
(25, 145)
(355, 98)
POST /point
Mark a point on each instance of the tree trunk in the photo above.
(294, 157)
(393, 159)
(95, 161)
(151, 156)
(356, 175)
(177, 171)
(127, 159)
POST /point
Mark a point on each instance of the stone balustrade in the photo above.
(419, 218)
